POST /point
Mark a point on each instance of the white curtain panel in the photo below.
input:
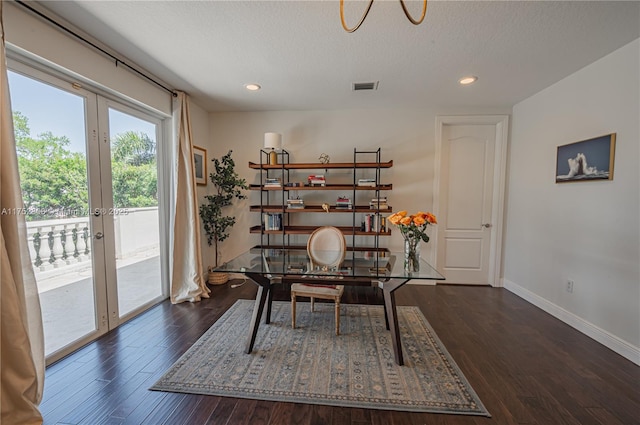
(22, 337)
(187, 274)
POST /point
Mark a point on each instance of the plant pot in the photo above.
(217, 278)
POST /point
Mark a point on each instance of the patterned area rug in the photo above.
(310, 364)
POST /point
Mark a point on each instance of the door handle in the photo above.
(486, 225)
(99, 235)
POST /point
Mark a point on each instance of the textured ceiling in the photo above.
(299, 53)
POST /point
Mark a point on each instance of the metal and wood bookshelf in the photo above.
(269, 204)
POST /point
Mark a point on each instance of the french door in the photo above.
(89, 176)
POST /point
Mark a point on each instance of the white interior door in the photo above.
(469, 200)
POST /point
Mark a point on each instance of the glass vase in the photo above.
(412, 255)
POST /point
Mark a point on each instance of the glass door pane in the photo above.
(134, 176)
(51, 142)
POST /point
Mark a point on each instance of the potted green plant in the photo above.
(228, 186)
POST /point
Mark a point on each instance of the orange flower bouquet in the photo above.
(414, 229)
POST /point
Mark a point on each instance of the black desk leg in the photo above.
(267, 319)
(392, 317)
(386, 317)
(263, 291)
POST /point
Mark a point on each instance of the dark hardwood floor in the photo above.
(526, 366)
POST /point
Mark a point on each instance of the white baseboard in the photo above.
(605, 338)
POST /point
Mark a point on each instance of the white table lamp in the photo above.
(273, 141)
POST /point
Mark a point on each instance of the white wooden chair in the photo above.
(326, 248)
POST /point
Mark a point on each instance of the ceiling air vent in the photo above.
(365, 86)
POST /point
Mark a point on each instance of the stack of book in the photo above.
(379, 204)
(374, 223)
(272, 182)
(367, 182)
(344, 203)
(272, 221)
(316, 180)
(295, 204)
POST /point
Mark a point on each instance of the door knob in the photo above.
(99, 235)
(486, 225)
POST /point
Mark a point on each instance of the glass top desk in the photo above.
(383, 269)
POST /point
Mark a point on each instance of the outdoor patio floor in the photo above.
(68, 302)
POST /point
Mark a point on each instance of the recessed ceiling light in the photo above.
(468, 80)
(252, 87)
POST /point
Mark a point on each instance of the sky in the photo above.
(62, 113)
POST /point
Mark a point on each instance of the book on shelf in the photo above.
(272, 182)
(379, 203)
(272, 221)
(344, 203)
(294, 184)
(367, 182)
(374, 223)
(295, 204)
(316, 180)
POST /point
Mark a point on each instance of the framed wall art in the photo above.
(200, 164)
(590, 159)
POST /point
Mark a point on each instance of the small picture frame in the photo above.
(587, 160)
(200, 164)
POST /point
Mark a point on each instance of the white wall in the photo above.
(200, 130)
(405, 136)
(588, 231)
(30, 35)
(136, 232)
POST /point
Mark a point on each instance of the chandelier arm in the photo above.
(344, 23)
(413, 21)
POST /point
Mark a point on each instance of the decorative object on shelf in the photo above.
(228, 187)
(200, 165)
(273, 141)
(413, 229)
(366, 12)
(324, 158)
(325, 207)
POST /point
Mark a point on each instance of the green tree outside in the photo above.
(54, 179)
(133, 169)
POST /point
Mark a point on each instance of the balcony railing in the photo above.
(61, 256)
(62, 243)
(58, 243)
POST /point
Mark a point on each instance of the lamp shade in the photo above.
(272, 140)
